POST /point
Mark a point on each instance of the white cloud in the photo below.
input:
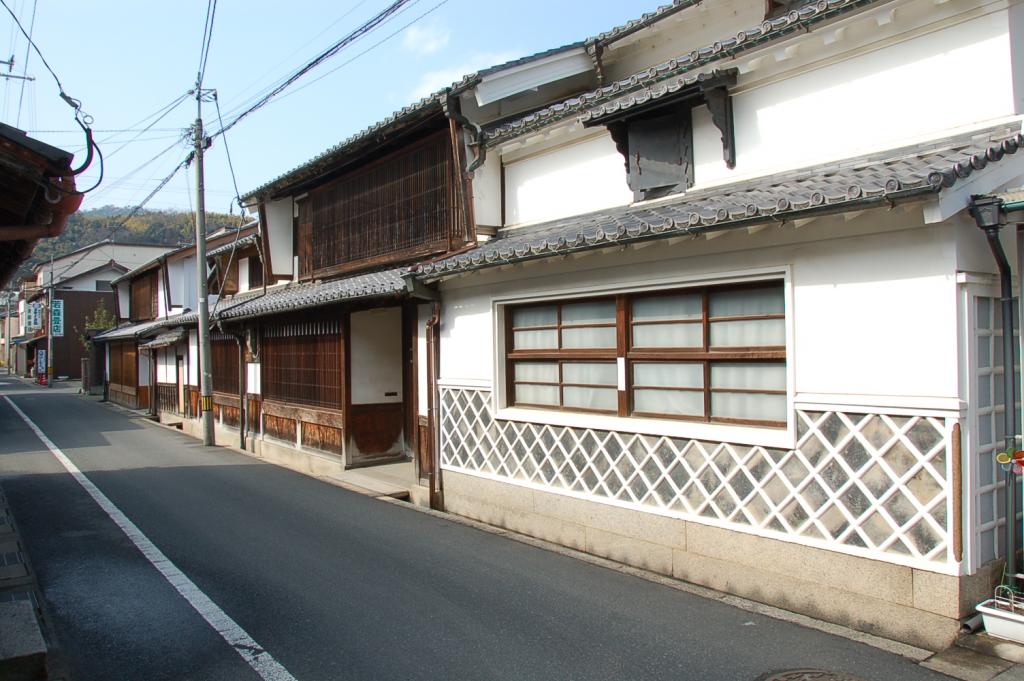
(432, 81)
(426, 39)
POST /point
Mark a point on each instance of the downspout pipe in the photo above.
(988, 214)
(433, 402)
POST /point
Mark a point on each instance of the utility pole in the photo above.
(49, 329)
(205, 373)
(7, 331)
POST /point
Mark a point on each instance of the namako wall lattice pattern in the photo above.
(862, 481)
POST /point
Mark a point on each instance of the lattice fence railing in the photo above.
(863, 482)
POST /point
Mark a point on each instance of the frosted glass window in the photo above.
(668, 336)
(598, 312)
(536, 340)
(748, 333)
(669, 375)
(746, 302)
(589, 337)
(605, 399)
(748, 376)
(674, 402)
(537, 372)
(666, 308)
(749, 406)
(537, 394)
(546, 315)
(590, 373)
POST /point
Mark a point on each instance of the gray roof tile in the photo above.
(847, 185)
(651, 82)
(305, 295)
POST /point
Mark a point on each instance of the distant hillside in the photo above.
(151, 226)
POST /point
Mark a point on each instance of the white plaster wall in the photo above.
(873, 315)
(376, 365)
(166, 371)
(487, 191)
(577, 178)
(193, 358)
(123, 300)
(144, 370)
(958, 76)
(191, 293)
(279, 218)
(176, 275)
(243, 275)
(252, 377)
(161, 295)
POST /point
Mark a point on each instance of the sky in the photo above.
(127, 61)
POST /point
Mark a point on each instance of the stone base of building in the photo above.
(906, 604)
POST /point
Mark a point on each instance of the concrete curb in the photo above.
(23, 649)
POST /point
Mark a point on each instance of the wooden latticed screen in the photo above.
(225, 364)
(303, 363)
(406, 204)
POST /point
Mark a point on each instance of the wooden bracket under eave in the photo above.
(719, 103)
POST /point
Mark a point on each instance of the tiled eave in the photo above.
(852, 184)
(644, 83)
(131, 330)
(240, 243)
(350, 149)
(307, 295)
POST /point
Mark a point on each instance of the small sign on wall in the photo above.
(41, 365)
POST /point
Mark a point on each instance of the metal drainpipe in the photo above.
(433, 354)
(987, 213)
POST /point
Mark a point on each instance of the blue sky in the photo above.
(127, 60)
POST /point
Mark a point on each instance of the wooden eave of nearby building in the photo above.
(37, 195)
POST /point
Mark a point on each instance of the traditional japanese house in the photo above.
(332, 378)
(152, 361)
(737, 323)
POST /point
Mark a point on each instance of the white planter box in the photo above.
(1002, 623)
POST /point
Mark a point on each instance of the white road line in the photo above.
(253, 653)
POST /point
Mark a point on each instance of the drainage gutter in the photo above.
(990, 216)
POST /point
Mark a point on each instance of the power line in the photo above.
(84, 120)
(204, 45)
(31, 29)
(368, 49)
(156, 120)
(78, 130)
(339, 45)
(305, 44)
(132, 213)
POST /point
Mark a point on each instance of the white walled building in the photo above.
(736, 324)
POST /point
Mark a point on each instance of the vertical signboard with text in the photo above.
(57, 318)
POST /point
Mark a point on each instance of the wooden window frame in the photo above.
(706, 355)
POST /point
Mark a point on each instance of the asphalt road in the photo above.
(335, 585)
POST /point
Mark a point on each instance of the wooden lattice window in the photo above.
(303, 363)
(707, 354)
(405, 205)
(224, 350)
(143, 292)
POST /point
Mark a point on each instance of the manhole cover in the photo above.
(807, 675)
